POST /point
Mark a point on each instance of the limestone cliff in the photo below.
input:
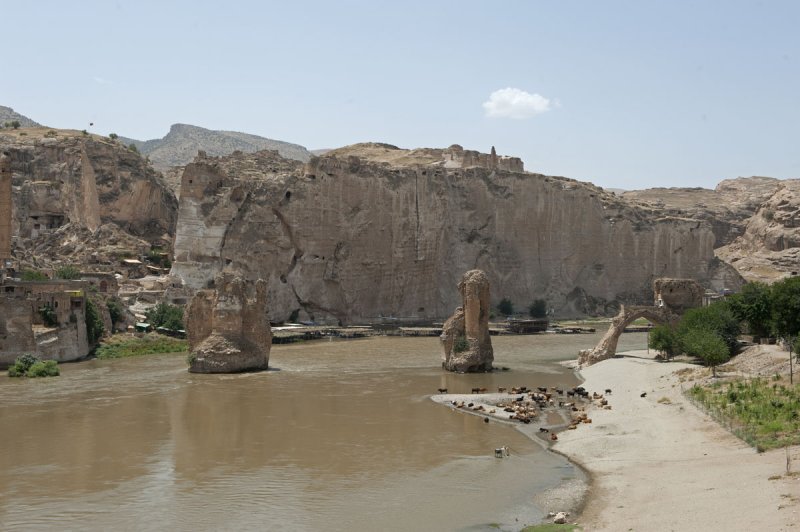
(67, 178)
(351, 238)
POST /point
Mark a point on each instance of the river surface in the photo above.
(338, 435)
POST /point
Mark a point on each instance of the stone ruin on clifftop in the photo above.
(228, 327)
(465, 335)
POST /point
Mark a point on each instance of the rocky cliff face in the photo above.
(466, 344)
(386, 233)
(7, 114)
(769, 249)
(65, 179)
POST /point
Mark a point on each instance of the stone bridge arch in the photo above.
(607, 347)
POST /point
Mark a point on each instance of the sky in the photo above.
(625, 94)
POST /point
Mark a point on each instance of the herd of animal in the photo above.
(527, 404)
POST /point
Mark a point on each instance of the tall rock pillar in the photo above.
(465, 335)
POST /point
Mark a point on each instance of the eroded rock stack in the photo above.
(228, 327)
(465, 335)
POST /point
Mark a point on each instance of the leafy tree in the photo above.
(48, 314)
(753, 306)
(115, 311)
(663, 338)
(94, 322)
(113, 136)
(68, 273)
(706, 345)
(786, 307)
(166, 315)
(132, 147)
(34, 275)
(538, 309)
(505, 307)
(716, 318)
(14, 124)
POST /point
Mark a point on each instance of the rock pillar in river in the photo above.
(228, 327)
(465, 335)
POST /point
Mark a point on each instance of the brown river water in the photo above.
(338, 435)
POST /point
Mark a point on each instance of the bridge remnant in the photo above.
(672, 298)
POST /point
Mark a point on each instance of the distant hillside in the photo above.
(180, 146)
(7, 114)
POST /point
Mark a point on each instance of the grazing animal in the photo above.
(542, 429)
(608, 391)
(541, 389)
(476, 390)
(486, 420)
(553, 437)
(471, 405)
(484, 390)
(442, 390)
(501, 390)
(559, 391)
(571, 393)
(644, 394)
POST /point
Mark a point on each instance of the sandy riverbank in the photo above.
(658, 463)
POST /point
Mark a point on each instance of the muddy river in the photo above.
(338, 435)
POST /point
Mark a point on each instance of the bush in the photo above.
(51, 134)
(461, 344)
(538, 309)
(68, 273)
(34, 275)
(132, 147)
(30, 366)
(122, 346)
(505, 307)
(113, 136)
(716, 318)
(166, 315)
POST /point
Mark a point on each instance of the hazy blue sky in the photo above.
(627, 94)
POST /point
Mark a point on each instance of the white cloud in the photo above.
(515, 103)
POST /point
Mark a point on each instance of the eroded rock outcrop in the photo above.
(228, 328)
(348, 238)
(64, 178)
(465, 336)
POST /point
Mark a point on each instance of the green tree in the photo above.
(706, 345)
(664, 339)
(166, 315)
(132, 147)
(48, 314)
(786, 307)
(115, 311)
(15, 124)
(94, 322)
(538, 309)
(716, 318)
(753, 306)
(68, 273)
(505, 307)
(113, 136)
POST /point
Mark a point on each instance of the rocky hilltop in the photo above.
(373, 230)
(7, 114)
(180, 146)
(75, 194)
(755, 220)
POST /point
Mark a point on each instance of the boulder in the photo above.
(228, 327)
(465, 335)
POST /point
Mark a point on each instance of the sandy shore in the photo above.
(658, 463)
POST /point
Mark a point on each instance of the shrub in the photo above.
(132, 147)
(538, 309)
(166, 315)
(461, 344)
(34, 275)
(113, 136)
(505, 307)
(51, 134)
(68, 273)
(122, 346)
(30, 366)
(664, 339)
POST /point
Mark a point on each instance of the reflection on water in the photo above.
(338, 436)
